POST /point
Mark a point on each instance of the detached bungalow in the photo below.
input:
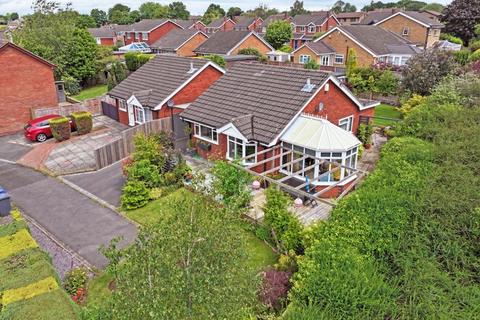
(162, 87)
(319, 52)
(149, 30)
(278, 117)
(372, 44)
(180, 42)
(231, 42)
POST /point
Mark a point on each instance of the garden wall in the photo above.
(123, 147)
(91, 105)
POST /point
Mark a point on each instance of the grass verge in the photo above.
(387, 111)
(91, 92)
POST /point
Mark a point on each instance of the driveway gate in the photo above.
(110, 110)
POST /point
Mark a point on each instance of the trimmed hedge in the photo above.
(61, 129)
(83, 121)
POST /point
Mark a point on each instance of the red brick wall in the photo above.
(107, 41)
(154, 35)
(25, 83)
(336, 105)
(218, 151)
(228, 26)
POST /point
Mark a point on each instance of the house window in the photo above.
(129, 35)
(301, 29)
(339, 58)
(264, 30)
(303, 168)
(304, 58)
(122, 105)
(346, 123)
(351, 160)
(238, 148)
(335, 160)
(206, 133)
(325, 61)
(144, 35)
(406, 31)
(404, 61)
(139, 114)
(99, 41)
(311, 28)
(137, 35)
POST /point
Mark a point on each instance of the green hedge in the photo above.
(83, 121)
(61, 129)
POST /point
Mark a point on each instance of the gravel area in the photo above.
(62, 260)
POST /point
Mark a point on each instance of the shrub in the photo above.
(61, 129)
(474, 45)
(285, 48)
(72, 85)
(230, 182)
(83, 121)
(74, 280)
(143, 170)
(134, 195)
(274, 289)
(462, 56)
(475, 56)
(135, 60)
(364, 133)
(117, 72)
(287, 262)
(148, 147)
(312, 65)
(217, 59)
(250, 52)
(451, 38)
(411, 103)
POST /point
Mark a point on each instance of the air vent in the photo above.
(192, 68)
(308, 87)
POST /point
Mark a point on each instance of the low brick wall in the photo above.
(91, 105)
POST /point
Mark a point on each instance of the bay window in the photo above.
(205, 133)
(238, 148)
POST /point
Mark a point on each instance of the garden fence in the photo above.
(123, 147)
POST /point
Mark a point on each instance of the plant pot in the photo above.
(205, 146)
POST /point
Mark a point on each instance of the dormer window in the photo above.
(311, 28)
(406, 31)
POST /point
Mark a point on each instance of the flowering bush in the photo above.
(74, 280)
(274, 290)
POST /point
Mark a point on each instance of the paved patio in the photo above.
(77, 154)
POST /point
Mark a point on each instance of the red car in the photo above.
(39, 130)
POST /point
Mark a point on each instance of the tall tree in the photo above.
(120, 14)
(85, 21)
(234, 12)
(14, 16)
(153, 10)
(214, 11)
(190, 265)
(99, 16)
(434, 7)
(297, 8)
(178, 10)
(262, 11)
(460, 18)
(278, 33)
(341, 6)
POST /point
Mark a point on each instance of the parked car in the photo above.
(39, 130)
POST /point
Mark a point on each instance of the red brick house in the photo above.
(270, 116)
(190, 24)
(104, 36)
(164, 86)
(243, 23)
(220, 24)
(149, 30)
(306, 25)
(229, 43)
(181, 42)
(27, 82)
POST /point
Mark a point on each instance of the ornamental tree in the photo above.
(278, 33)
(460, 18)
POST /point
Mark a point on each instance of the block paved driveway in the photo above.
(79, 222)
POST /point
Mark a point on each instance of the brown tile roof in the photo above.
(102, 32)
(320, 47)
(317, 18)
(273, 18)
(157, 79)
(146, 25)
(174, 39)
(376, 16)
(217, 23)
(259, 99)
(222, 42)
(379, 40)
(244, 22)
(185, 24)
(346, 15)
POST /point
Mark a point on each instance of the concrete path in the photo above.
(106, 183)
(74, 219)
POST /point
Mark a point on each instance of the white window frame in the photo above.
(137, 35)
(325, 63)
(311, 28)
(144, 36)
(406, 31)
(304, 58)
(129, 35)
(339, 59)
(244, 144)
(98, 40)
(197, 132)
(139, 112)
(122, 105)
(347, 121)
(301, 28)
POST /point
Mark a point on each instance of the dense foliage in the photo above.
(231, 183)
(311, 65)
(117, 72)
(372, 80)
(278, 33)
(135, 60)
(460, 18)
(219, 60)
(405, 245)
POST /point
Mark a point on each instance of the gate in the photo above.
(110, 110)
(181, 138)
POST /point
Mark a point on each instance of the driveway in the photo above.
(106, 183)
(77, 221)
(11, 149)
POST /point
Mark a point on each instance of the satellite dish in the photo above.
(170, 103)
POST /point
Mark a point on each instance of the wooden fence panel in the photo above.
(123, 147)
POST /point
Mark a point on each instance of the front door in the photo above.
(131, 115)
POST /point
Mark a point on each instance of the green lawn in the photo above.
(92, 92)
(387, 111)
(98, 291)
(24, 268)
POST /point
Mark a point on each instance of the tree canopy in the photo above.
(278, 33)
(99, 16)
(341, 6)
(460, 18)
(153, 10)
(214, 11)
(297, 8)
(178, 10)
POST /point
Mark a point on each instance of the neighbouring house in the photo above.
(348, 18)
(262, 29)
(305, 26)
(220, 24)
(229, 43)
(372, 44)
(260, 113)
(105, 36)
(162, 87)
(27, 82)
(414, 26)
(181, 42)
(320, 52)
(432, 14)
(243, 23)
(191, 24)
(148, 30)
